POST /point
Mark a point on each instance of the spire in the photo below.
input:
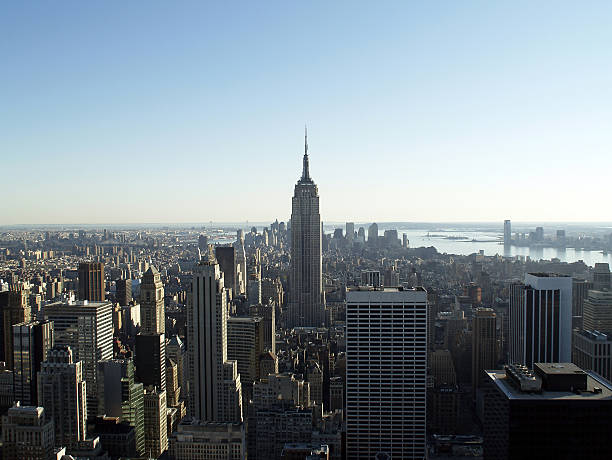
(305, 171)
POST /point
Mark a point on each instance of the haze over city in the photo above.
(453, 111)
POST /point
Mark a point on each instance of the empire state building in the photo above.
(306, 300)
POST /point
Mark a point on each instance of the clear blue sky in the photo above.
(183, 111)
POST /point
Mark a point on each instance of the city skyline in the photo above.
(402, 103)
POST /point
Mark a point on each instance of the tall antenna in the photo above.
(305, 140)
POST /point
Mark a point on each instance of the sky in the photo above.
(157, 111)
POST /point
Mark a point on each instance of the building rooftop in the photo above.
(551, 377)
(386, 289)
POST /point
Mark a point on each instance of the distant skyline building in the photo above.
(91, 281)
(306, 297)
(350, 232)
(152, 308)
(386, 371)
(373, 234)
(507, 232)
(541, 319)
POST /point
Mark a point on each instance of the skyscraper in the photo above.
(245, 344)
(555, 411)
(484, 344)
(152, 310)
(386, 361)
(215, 390)
(226, 256)
(121, 396)
(155, 422)
(541, 319)
(350, 232)
(150, 360)
(124, 291)
(507, 232)
(91, 281)
(597, 311)
(601, 277)
(61, 391)
(17, 310)
(373, 234)
(87, 327)
(31, 342)
(306, 300)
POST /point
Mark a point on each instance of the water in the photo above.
(489, 242)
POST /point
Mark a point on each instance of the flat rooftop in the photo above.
(498, 378)
(385, 289)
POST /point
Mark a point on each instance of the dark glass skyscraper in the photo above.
(306, 295)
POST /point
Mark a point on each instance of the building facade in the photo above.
(87, 328)
(541, 319)
(386, 334)
(61, 391)
(215, 391)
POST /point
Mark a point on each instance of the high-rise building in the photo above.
(244, 345)
(507, 232)
(152, 309)
(350, 232)
(17, 310)
(386, 333)
(580, 291)
(87, 328)
(306, 298)
(254, 289)
(241, 270)
(597, 311)
(215, 392)
(121, 396)
(155, 422)
(91, 281)
(124, 291)
(27, 434)
(268, 315)
(373, 234)
(226, 257)
(61, 391)
(601, 277)
(484, 344)
(150, 360)
(555, 411)
(31, 342)
(592, 351)
(203, 243)
(541, 319)
(175, 350)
